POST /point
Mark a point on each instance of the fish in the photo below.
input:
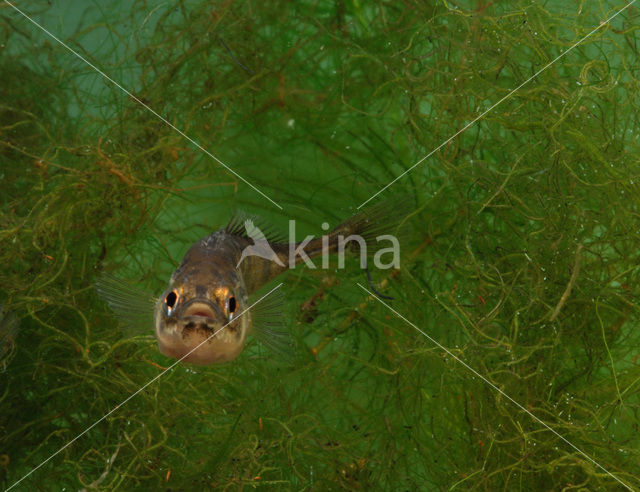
(203, 315)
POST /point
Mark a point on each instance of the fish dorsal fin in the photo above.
(238, 226)
(270, 329)
(134, 307)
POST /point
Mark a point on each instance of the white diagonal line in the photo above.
(511, 93)
(146, 106)
(141, 389)
(467, 366)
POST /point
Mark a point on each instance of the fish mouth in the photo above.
(200, 312)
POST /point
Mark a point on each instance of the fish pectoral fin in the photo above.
(269, 327)
(134, 307)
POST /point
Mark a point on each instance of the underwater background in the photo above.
(522, 257)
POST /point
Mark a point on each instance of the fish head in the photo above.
(196, 318)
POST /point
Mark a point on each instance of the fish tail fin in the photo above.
(384, 219)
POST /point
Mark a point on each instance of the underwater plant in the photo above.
(508, 357)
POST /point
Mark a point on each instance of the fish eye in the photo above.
(232, 305)
(171, 300)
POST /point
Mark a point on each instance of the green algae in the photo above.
(522, 261)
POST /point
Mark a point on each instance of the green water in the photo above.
(521, 260)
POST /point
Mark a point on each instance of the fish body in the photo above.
(211, 287)
(202, 317)
(200, 305)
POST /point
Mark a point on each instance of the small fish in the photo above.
(202, 316)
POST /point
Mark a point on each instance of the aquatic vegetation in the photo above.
(522, 261)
